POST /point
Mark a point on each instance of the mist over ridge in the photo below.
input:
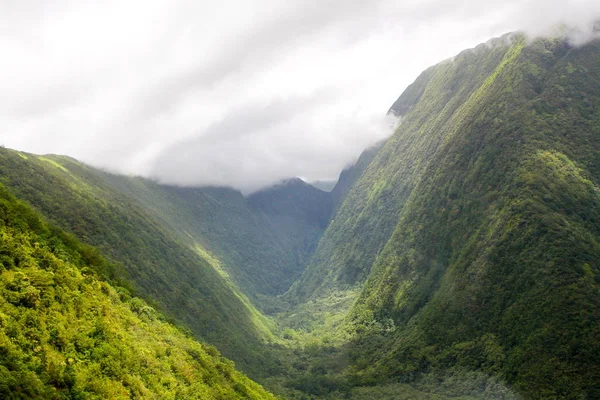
(232, 94)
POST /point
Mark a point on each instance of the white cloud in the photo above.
(230, 92)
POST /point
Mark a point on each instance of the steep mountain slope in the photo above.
(351, 174)
(298, 213)
(184, 283)
(478, 226)
(67, 333)
(371, 210)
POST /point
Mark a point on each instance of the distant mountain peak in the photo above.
(291, 181)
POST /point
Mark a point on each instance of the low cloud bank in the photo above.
(232, 93)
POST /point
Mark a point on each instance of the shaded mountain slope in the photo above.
(263, 241)
(294, 199)
(324, 185)
(298, 213)
(67, 333)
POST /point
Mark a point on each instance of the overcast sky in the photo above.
(237, 93)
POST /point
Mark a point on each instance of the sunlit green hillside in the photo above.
(180, 279)
(68, 333)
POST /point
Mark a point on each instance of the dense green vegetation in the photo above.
(183, 282)
(351, 174)
(68, 333)
(372, 207)
(479, 221)
(458, 260)
(262, 249)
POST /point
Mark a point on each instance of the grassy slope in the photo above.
(183, 283)
(493, 265)
(67, 333)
